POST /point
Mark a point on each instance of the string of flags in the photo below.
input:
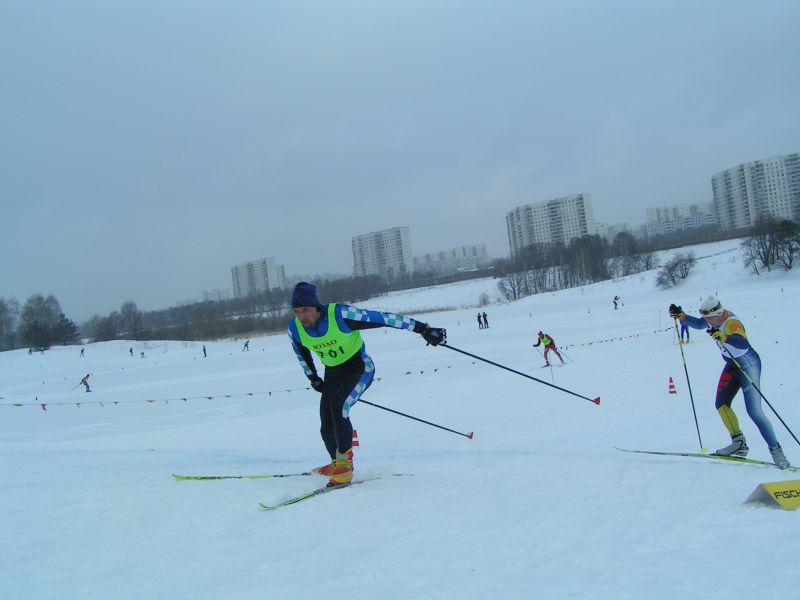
(614, 339)
(269, 393)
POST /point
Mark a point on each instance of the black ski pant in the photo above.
(336, 429)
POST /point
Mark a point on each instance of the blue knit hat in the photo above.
(305, 294)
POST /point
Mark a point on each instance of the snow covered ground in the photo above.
(538, 505)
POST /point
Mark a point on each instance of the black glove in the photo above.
(434, 335)
(676, 312)
(316, 382)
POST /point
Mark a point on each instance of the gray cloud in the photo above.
(147, 147)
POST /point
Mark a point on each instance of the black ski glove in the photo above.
(676, 312)
(316, 382)
(434, 335)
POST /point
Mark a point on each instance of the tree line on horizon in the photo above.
(589, 259)
(40, 323)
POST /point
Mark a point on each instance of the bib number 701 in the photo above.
(331, 353)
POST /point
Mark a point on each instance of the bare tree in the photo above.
(624, 251)
(761, 247)
(9, 313)
(512, 286)
(788, 243)
(676, 270)
(130, 320)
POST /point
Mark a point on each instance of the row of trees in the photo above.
(585, 260)
(265, 312)
(39, 324)
(541, 267)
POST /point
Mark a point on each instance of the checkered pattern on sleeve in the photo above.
(373, 316)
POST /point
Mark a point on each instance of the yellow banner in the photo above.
(785, 494)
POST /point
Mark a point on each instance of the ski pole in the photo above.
(397, 412)
(703, 449)
(594, 400)
(551, 367)
(567, 355)
(540, 352)
(753, 383)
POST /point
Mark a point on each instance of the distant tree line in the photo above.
(542, 267)
(38, 325)
(265, 312)
(585, 260)
(40, 322)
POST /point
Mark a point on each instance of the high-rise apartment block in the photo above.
(386, 253)
(750, 191)
(552, 221)
(463, 258)
(664, 220)
(257, 276)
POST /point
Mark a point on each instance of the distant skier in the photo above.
(204, 351)
(85, 382)
(131, 351)
(485, 321)
(332, 333)
(480, 321)
(82, 355)
(615, 301)
(549, 344)
(728, 331)
(246, 347)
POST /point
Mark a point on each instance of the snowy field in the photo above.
(538, 505)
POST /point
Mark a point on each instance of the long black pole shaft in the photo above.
(397, 412)
(689, 385)
(753, 383)
(594, 400)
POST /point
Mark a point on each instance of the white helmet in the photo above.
(711, 307)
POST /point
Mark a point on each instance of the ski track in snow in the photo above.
(537, 505)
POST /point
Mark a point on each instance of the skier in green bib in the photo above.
(549, 346)
(332, 333)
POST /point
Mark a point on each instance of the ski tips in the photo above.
(469, 435)
(596, 400)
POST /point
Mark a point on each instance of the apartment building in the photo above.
(257, 276)
(386, 253)
(552, 221)
(747, 192)
(444, 262)
(664, 220)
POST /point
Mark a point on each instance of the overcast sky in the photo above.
(148, 146)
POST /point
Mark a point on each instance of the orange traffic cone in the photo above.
(355, 438)
(672, 389)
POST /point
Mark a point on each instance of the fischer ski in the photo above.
(736, 459)
(179, 477)
(217, 477)
(311, 494)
